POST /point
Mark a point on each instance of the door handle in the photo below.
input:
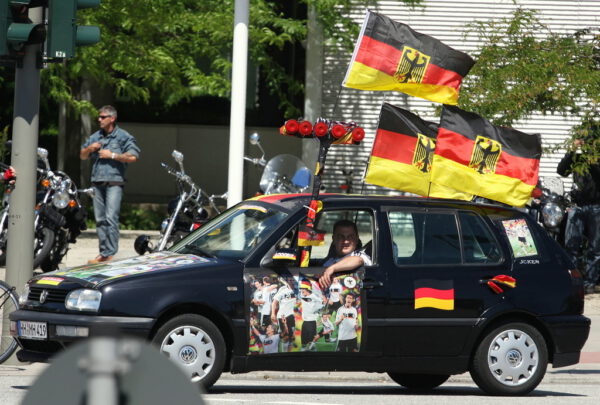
(370, 284)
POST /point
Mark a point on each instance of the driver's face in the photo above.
(345, 240)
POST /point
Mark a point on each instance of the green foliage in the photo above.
(178, 49)
(525, 68)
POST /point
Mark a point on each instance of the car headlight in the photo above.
(552, 214)
(24, 295)
(60, 199)
(83, 300)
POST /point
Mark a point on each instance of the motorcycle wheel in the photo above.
(43, 244)
(175, 238)
(59, 250)
(3, 248)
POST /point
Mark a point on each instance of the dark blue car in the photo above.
(453, 287)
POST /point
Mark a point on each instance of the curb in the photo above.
(124, 233)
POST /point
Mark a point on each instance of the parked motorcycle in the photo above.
(59, 217)
(549, 207)
(282, 174)
(186, 212)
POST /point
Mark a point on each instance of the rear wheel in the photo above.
(196, 345)
(419, 382)
(510, 360)
(8, 303)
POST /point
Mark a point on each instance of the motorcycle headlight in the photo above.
(60, 199)
(552, 214)
(83, 300)
(24, 295)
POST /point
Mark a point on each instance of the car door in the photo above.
(437, 295)
(305, 317)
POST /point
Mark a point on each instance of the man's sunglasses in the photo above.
(104, 116)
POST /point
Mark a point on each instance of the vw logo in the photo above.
(188, 354)
(43, 296)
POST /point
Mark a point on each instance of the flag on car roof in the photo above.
(477, 157)
(389, 55)
(402, 155)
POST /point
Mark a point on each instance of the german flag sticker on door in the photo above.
(434, 294)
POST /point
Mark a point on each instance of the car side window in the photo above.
(404, 238)
(478, 243)
(441, 243)
(424, 238)
(327, 219)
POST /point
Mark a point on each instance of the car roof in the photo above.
(290, 201)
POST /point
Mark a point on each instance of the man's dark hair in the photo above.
(345, 223)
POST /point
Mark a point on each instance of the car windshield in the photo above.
(233, 234)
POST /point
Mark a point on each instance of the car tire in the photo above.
(196, 345)
(510, 360)
(419, 382)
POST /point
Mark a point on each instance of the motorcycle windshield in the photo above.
(554, 184)
(285, 174)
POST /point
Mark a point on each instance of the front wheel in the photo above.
(8, 303)
(419, 382)
(510, 360)
(196, 345)
(44, 239)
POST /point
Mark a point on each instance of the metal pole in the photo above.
(237, 121)
(313, 83)
(19, 258)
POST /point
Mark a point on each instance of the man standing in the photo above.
(111, 149)
(347, 323)
(583, 220)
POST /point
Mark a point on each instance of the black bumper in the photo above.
(568, 334)
(37, 350)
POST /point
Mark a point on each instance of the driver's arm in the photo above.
(346, 264)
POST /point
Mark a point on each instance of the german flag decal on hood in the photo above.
(434, 294)
(389, 55)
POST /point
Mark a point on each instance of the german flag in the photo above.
(474, 156)
(434, 294)
(391, 56)
(402, 155)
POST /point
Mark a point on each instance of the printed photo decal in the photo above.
(293, 314)
(520, 238)
(434, 294)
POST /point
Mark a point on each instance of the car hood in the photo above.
(93, 274)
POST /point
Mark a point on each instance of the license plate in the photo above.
(33, 330)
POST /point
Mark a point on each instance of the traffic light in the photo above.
(63, 32)
(16, 29)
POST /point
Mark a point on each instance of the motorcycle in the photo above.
(59, 217)
(549, 207)
(282, 174)
(186, 212)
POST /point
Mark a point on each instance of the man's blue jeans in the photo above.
(584, 222)
(107, 206)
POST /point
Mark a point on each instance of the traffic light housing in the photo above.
(63, 32)
(16, 29)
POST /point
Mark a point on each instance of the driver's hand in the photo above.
(325, 279)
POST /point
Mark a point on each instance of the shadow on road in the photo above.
(349, 389)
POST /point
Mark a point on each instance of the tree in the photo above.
(174, 50)
(524, 68)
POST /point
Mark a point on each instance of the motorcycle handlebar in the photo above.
(256, 161)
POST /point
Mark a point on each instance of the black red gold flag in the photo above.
(434, 294)
(389, 55)
(474, 156)
(402, 155)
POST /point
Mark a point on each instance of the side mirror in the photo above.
(43, 155)
(254, 138)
